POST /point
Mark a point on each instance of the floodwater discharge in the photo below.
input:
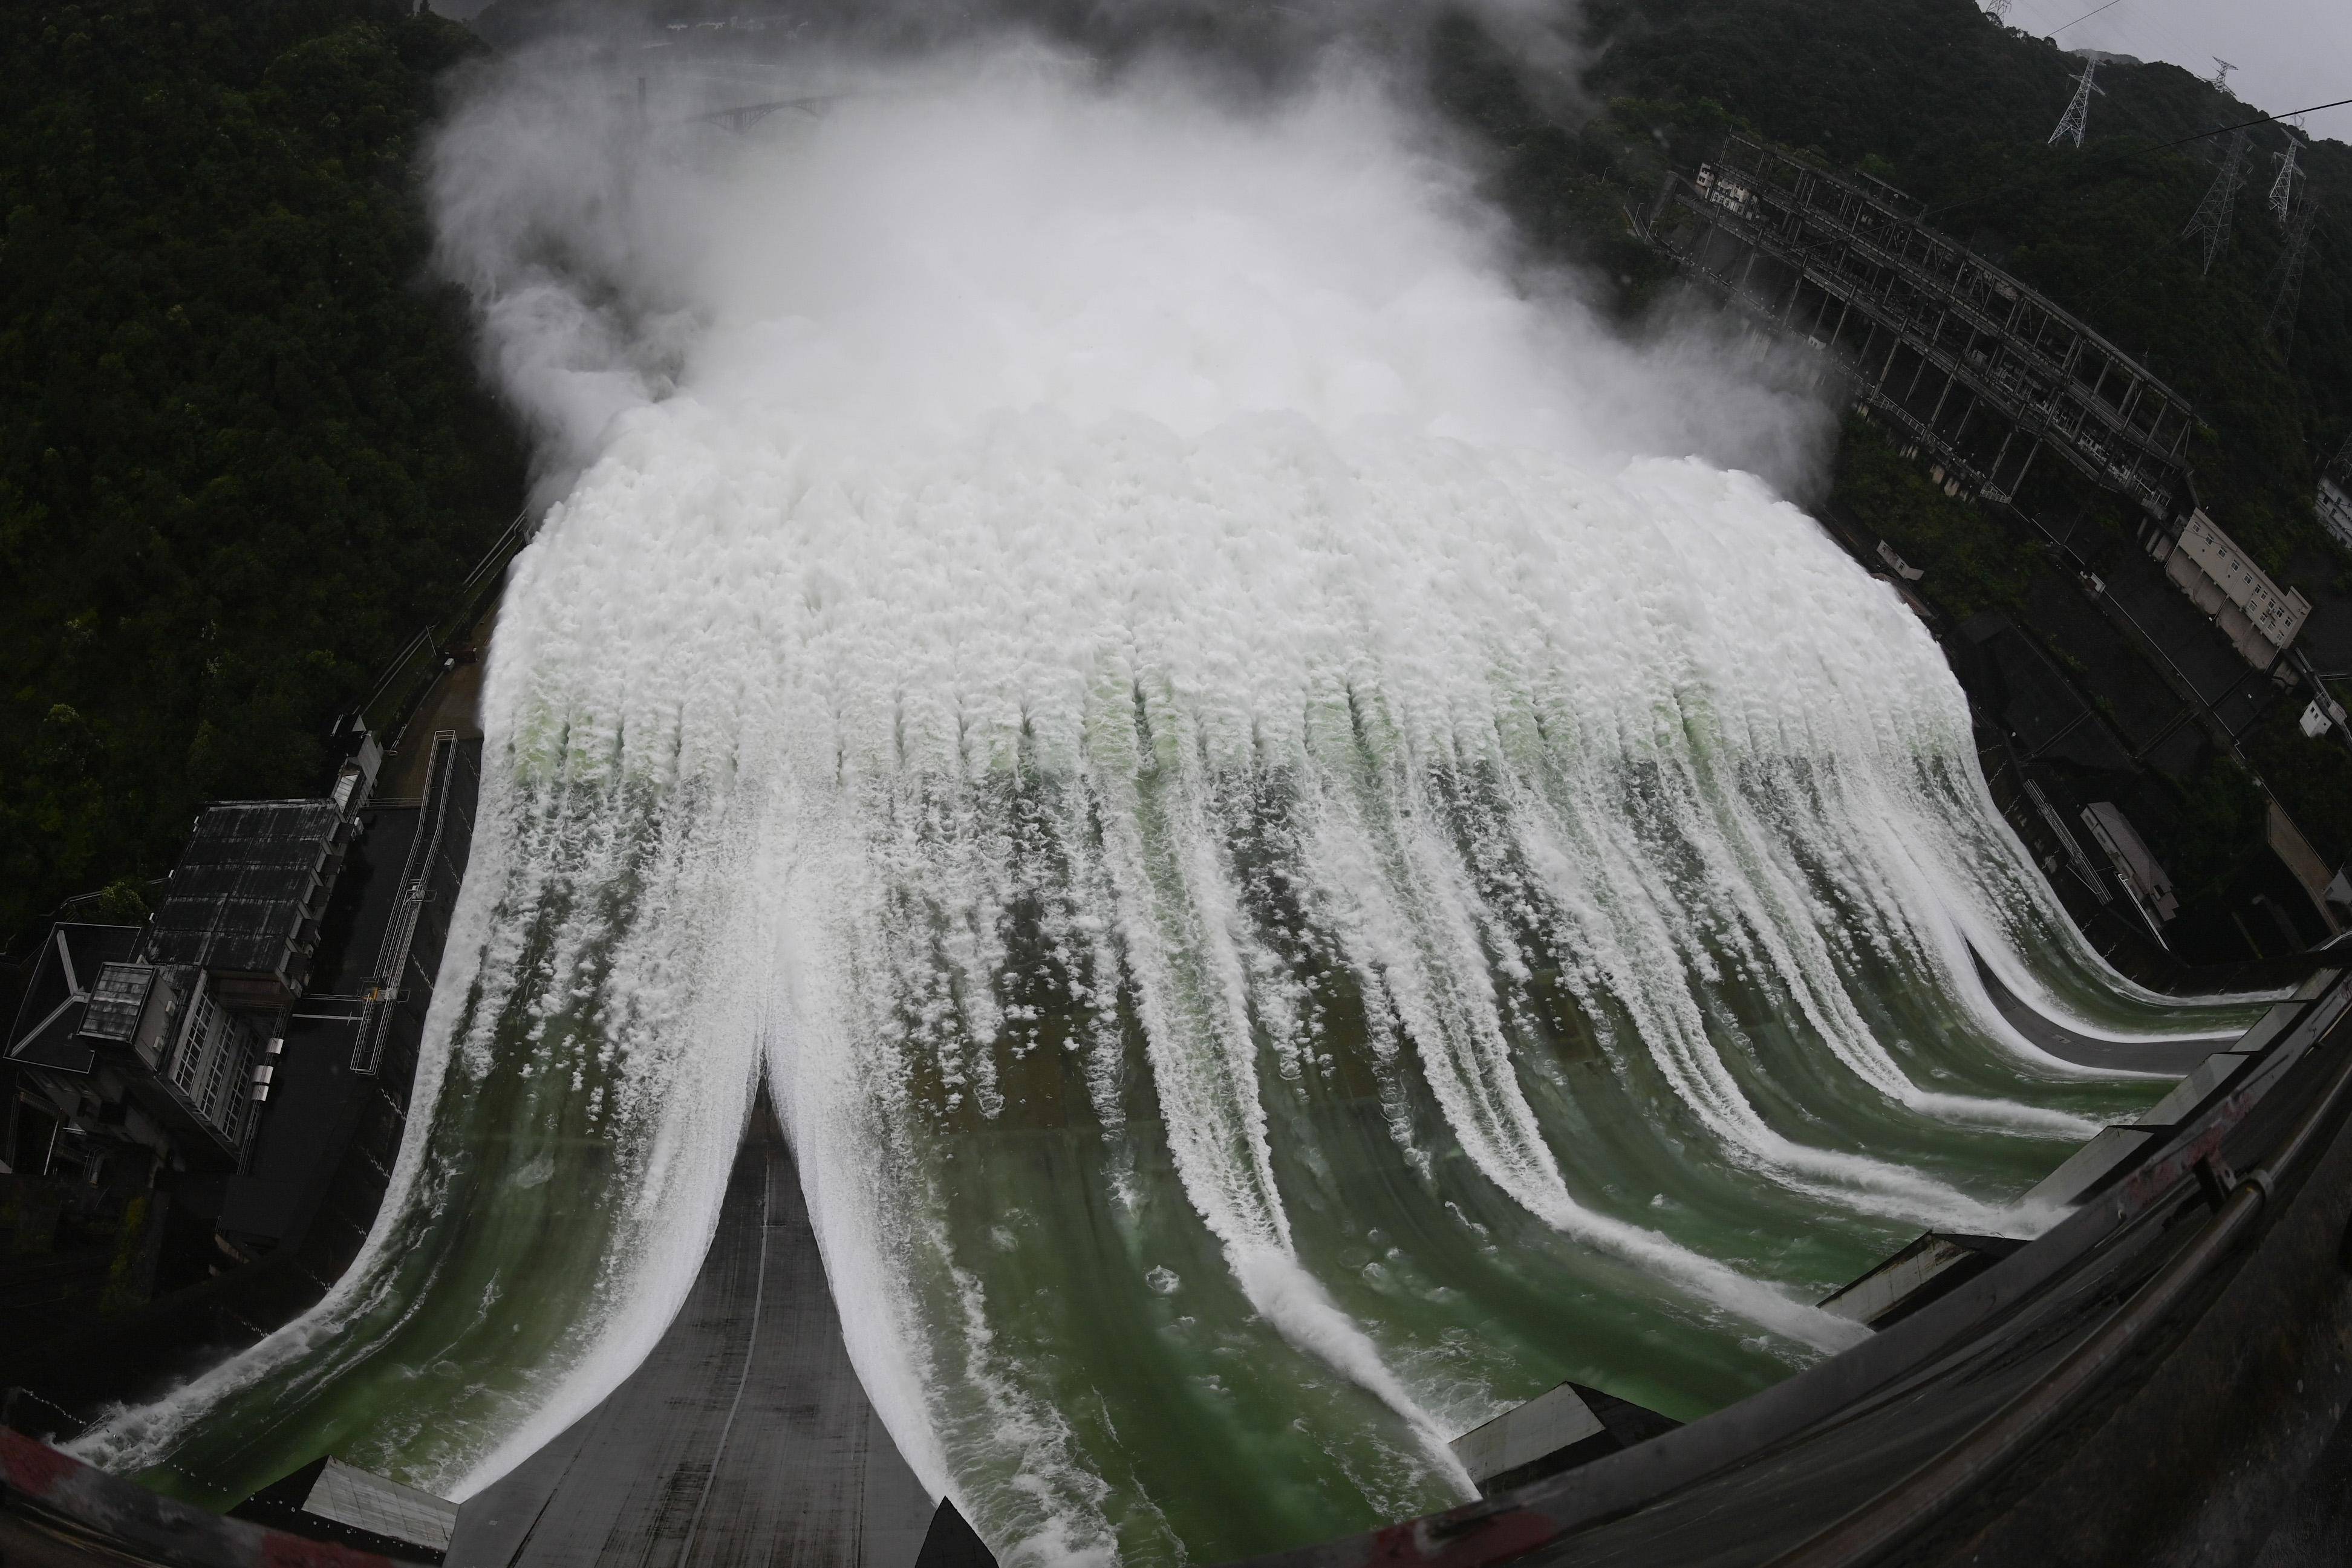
(1299, 869)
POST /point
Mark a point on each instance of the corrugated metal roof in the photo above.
(239, 896)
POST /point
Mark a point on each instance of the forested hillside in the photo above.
(1937, 98)
(243, 452)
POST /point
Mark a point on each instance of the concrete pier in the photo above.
(745, 1438)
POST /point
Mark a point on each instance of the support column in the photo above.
(2001, 456)
(1951, 380)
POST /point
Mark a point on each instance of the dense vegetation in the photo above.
(243, 452)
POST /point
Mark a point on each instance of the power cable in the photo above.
(2084, 16)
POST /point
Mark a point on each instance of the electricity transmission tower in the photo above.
(2221, 202)
(1999, 10)
(2221, 79)
(2078, 113)
(2287, 275)
(2282, 188)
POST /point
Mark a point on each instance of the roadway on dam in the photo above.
(744, 1439)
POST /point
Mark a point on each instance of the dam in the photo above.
(1147, 849)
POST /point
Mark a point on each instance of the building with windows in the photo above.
(2261, 619)
(126, 1064)
(2335, 500)
(140, 1050)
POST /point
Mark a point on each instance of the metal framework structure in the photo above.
(2214, 213)
(2077, 117)
(2286, 276)
(743, 116)
(1975, 365)
(2282, 197)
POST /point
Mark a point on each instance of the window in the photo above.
(240, 1092)
(222, 1056)
(196, 1042)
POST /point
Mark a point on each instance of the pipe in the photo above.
(1929, 1491)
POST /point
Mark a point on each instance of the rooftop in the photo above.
(71, 962)
(245, 896)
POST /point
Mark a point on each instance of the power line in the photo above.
(2085, 16)
(2144, 25)
(2249, 124)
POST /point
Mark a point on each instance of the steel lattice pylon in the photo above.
(2282, 196)
(2287, 275)
(2221, 202)
(2078, 112)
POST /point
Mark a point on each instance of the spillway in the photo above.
(1299, 867)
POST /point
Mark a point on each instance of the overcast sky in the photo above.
(2289, 53)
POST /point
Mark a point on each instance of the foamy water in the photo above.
(1300, 864)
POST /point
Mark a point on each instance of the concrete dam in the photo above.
(1153, 871)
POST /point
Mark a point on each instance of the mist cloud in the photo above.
(1008, 227)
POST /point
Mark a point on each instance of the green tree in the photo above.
(243, 449)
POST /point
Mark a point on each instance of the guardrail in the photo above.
(1916, 1501)
(384, 991)
(1898, 1449)
(388, 706)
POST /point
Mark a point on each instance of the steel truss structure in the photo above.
(2286, 276)
(1973, 364)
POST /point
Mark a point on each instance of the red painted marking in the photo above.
(1445, 1541)
(34, 1467)
(281, 1551)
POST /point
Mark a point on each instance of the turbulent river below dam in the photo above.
(1297, 869)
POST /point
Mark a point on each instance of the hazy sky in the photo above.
(2289, 53)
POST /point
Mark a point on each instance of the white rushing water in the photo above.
(1118, 577)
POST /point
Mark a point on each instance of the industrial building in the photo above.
(246, 895)
(2334, 502)
(138, 1051)
(2259, 618)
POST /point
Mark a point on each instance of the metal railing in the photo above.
(384, 990)
(1879, 1526)
(393, 699)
